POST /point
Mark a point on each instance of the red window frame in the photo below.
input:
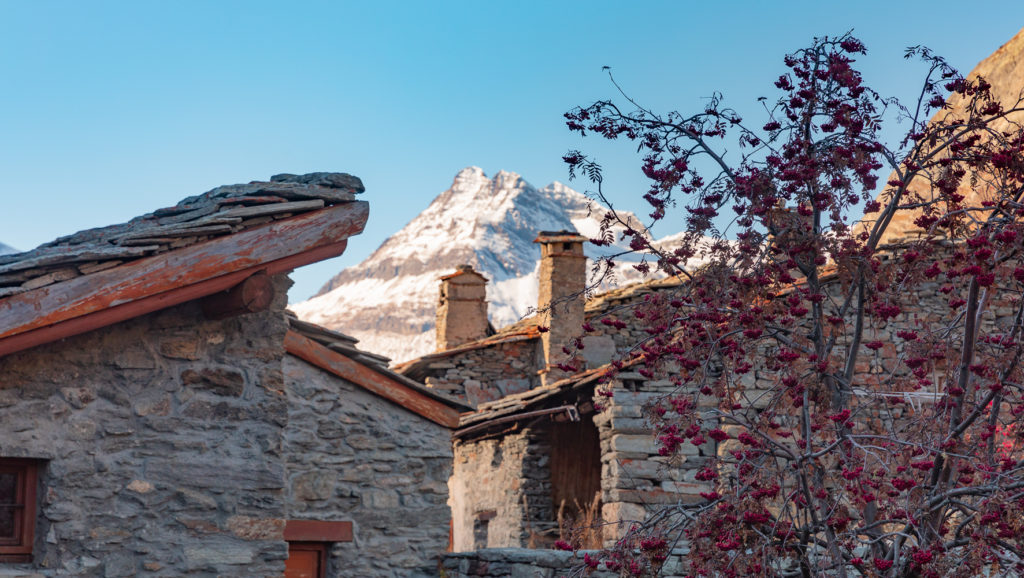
(19, 547)
(319, 550)
(315, 536)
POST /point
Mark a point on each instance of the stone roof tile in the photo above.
(221, 211)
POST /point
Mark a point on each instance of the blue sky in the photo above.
(112, 109)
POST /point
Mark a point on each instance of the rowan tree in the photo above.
(865, 389)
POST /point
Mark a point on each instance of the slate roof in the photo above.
(201, 246)
(221, 211)
(521, 331)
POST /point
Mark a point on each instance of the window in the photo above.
(306, 560)
(480, 528)
(17, 509)
(308, 544)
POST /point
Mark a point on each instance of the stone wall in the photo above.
(522, 563)
(162, 445)
(612, 316)
(879, 374)
(351, 455)
(461, 308)
(561, 280)
(498, 481)
(487, 374)
(635, 478)
(500, 493)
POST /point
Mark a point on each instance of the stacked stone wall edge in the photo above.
(162, 438)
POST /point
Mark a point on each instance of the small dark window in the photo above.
(480, 528)
(17, 509)
(567, 246)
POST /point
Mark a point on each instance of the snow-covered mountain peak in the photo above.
(558, 188)
(7, 249)
(507, 180)
(388, 301)
(468, 179)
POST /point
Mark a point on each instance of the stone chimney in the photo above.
(461, 308)
(560, 299)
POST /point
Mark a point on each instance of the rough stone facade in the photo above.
(160, 442)
(461, 308)
(634, 478)
(501, 494)
(505, 490)
(520, 503)
(481, 375)
(351, 455)
(521, 563)
(562, 278)
(174, 445)
(144, 410)
(616, 328)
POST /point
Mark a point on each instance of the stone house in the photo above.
(163, 416)
(368, 446)
(535, 451)
(527, 414)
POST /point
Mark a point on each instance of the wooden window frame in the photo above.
(317, 531)
(316, 536)
(19, 548)
(321, 551)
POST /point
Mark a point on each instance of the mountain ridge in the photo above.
(388, 300)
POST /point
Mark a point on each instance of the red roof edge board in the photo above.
(342, 366)
(152, 283)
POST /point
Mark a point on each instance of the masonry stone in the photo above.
(387, 474)
(115, 481)
(560, 300)
(462, 308)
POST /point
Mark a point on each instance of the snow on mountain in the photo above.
(7, 249)
(388, 301)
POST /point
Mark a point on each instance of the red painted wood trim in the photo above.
(296, 566)
(317, 531)
(164, 300)
(370, 380)
(107, 297)
(19, 549)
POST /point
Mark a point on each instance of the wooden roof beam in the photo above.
(167, 279)
(377, 383)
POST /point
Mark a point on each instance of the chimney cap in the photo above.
(463, 270)
(560, 237)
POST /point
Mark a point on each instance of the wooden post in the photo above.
(254, 294)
